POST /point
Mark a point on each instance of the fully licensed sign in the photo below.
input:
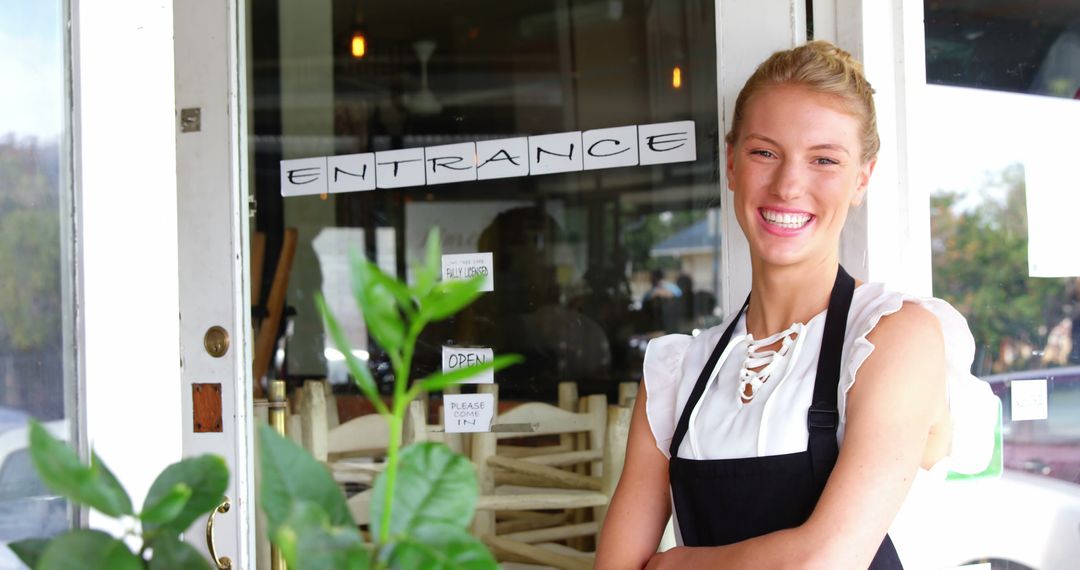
(657, 143)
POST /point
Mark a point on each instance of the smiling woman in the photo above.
(792, 433)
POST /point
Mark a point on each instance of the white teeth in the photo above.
(786, 219)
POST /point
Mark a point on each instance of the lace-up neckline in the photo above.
(762, 363)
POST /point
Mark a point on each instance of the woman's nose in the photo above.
(788, 182)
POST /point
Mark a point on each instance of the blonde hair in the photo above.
(824, 68)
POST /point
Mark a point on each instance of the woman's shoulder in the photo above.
(877, 310)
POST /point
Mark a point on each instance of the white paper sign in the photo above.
(662, 143)
(609, 148)
(400, 168)
(560, 152)
(1028, 400)
(351, 172)
(450, 163)
(466, 413)
(303, 176)
(454, 358)
(469, 265)
(1052, 190)
(502, 158)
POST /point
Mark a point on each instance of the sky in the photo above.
(31, 61)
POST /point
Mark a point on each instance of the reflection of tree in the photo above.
(29, 245)
(980, 265)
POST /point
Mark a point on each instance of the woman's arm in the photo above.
(640, 508)
(898, 396)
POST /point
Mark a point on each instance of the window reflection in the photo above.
(1024, 47)
(574, 253)
(35, 275)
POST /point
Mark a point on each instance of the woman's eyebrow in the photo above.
(823, 146)
(831, 146)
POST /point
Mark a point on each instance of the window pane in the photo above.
(1003, 178)
(1024, 47)
(35, 266)
(588, 265)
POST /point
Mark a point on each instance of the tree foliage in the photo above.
(980, 265)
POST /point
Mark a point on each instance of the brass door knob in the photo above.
(223, 563)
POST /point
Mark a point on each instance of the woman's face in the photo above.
(795, 169)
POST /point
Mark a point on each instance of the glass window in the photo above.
(587, 264)
(36, 354)
(1003, 180)
(1023, 47)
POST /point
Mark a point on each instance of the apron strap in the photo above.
(702, 381)
(823, 417)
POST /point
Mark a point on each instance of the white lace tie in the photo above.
(760, 364)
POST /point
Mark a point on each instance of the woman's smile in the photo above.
(784, 222)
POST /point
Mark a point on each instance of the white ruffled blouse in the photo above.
(773, 421)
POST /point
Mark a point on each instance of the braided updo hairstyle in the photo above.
(824, 68)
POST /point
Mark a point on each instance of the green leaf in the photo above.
(206, 476)
(308, 540)
(87, 550)
(440, 380)
(428, 274)
(61, 471)
(29, 550)
(291, 475)
(171, 553)
(449, 297)
(358, 369)
(166, 507)
(442, 550)
(378, 306)
(398, 290)
(435, 488)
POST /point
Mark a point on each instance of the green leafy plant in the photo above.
(425, 499)
(182, 493)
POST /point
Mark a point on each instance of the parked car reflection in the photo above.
(27, 508)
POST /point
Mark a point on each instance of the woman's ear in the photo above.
(865, 171)
(730, 160)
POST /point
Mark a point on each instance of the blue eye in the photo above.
(764, 153)
(825, 161)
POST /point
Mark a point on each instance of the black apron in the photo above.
(724, 501)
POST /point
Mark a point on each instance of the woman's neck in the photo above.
(783, 295)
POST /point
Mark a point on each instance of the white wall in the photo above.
(126, 183)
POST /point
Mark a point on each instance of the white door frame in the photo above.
(125, 238)
(212, 215)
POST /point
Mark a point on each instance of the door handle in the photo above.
(223, 563)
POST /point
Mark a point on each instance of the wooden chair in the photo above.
(525, 483)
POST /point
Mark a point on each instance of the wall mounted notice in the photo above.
(1028, 400)
(454, 358)
(572, 151)
(469, 265)
(465, 413)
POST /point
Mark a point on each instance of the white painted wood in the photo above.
(212, 226)
(888, 238)
(125, 157)
(747, 32)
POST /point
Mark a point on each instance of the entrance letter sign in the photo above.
(450, 163)
(399, 168)
(351, 172)
(658, 143)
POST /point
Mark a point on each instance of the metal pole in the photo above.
(277, 421)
